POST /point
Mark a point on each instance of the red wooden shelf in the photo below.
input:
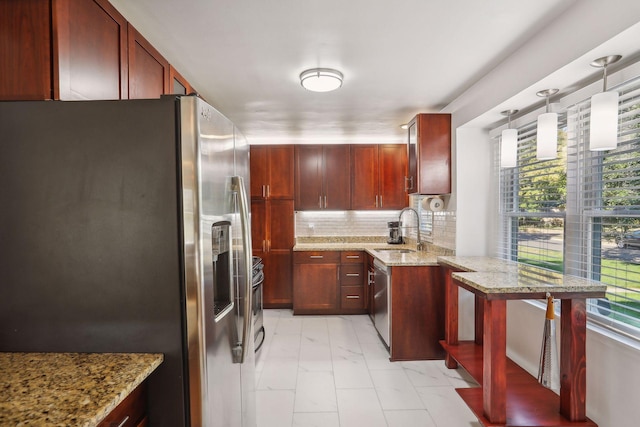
(528, 403)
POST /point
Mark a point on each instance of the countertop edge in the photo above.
(120, 397)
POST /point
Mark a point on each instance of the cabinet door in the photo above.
(91, 47)
(258, 225)
(281, 227)
(393, 166)
(272, 171)
(280, 180)
(148, 70)
(316, 288)
(411, 180)
(337, 177)
(364, 177)
(177, 84)
(259, 170)
(434, 153)
(308, 182)
(277, 287)
(25, 44)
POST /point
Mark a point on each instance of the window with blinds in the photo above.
(580, 213)
(533, 203)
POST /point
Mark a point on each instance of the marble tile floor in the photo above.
(333, 371)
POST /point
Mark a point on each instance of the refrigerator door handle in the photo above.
(237, 184)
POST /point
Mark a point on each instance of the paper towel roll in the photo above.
(436, 204)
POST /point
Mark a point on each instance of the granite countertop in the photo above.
(501, 279)
(68, 389)
(373, 245)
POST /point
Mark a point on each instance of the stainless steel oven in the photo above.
(258, 322)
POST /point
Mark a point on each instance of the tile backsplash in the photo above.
(438, 228)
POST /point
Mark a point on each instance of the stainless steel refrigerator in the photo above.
(125, 228)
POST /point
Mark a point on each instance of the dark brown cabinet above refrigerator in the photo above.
(429, 154)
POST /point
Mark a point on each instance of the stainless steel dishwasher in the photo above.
(382, 300)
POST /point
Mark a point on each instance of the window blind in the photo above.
(577, 214)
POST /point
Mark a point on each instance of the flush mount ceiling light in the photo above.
(321, 79)
(509, 144)
(547, 132)
(603, 129)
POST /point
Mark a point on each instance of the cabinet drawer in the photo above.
(130, 411)
(352, 297)
(351, 274)
(347, 257)
(316, 257)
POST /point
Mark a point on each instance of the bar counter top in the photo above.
(68, 389)
(494, 278)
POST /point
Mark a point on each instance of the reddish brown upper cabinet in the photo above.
(148, 70)
(92, 51)
(62, 50)
(178, 85)
(378, 173)
(322, 177)
(271, 171)
(429, 154)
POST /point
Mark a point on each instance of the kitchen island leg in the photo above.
(494, 378)
(573, 365)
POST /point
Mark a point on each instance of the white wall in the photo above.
(613, 364)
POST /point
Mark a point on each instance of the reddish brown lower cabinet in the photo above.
(131, 412)
(417, 313)
(329, 282)
(272, 236)
(353, 299)
(316, 279)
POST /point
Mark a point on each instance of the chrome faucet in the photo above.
(420, 246)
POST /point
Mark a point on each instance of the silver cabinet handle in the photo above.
(376, 200)
(408, 183)
(325, 202)
(370, 275)
(268, 190)
(381, 204)
(264, 191)
(353, 275)
(353, 256)
(124, 421)
(320, 202)
(316, 256)
(353, 296)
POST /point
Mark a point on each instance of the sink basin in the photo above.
(395, 250)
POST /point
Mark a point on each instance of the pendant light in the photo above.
(603, 133)
(509, 143)
(547, 132)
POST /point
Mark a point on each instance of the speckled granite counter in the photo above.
(496, 278)
(376, 246)
(68, 389)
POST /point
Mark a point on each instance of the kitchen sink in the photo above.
(395, 250)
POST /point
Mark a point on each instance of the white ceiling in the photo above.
(398, 57)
